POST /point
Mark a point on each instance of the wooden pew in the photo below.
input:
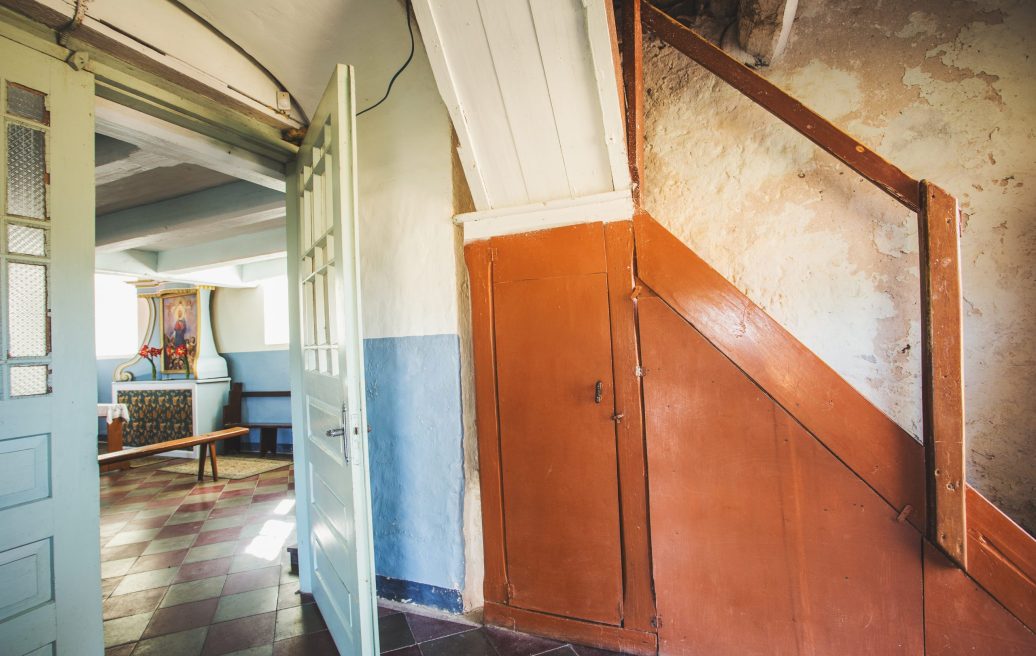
(233, 417)
(207, 442)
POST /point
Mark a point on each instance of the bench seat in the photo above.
(206, 441)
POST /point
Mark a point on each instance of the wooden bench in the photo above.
(233, 417)
(207, 442)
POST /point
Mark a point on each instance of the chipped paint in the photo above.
(945, 92)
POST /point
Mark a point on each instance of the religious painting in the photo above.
(179, 332)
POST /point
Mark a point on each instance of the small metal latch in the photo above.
(617, 417)
(335, 432)
(598, 392)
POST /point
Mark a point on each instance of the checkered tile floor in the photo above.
(193, 568)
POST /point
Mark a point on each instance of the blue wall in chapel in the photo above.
(416, 452)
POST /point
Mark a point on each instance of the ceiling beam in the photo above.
(258, 246)
(209, 212)
(155, 135)
(136, 162)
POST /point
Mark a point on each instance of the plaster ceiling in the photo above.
(299, 43)
(155, 185)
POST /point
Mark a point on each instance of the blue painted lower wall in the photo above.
(417, 466)
(416, 451)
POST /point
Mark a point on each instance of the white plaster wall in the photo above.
(946, 92)
(237, 320)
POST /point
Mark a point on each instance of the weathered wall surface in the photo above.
(944, 90)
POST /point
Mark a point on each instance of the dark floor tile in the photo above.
(413, 650)
(394, 632)
(239, 634)
(298, 620)
(470, 643)
(108, 586)
(181, 617)
(176, 530)
(203, 569)
(230, 494)
(183, 643)
(593, 651)
(384, 611)
(133, 603)
(228, 512)
(312, 644)
(561, 651)
(288, 595)
(252, 579)
(195, 507)
(510, 643)
(158, 561)
(426, 628)
(121, 650)
(220, 535)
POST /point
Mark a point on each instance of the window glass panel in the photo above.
(30, 380)
(26, 172)
(27, 309)
(25, 240)
(26, 103)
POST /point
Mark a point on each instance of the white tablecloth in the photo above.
(113, 411)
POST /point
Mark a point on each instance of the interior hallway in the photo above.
(201, 568)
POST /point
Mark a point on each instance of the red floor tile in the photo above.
(203, 569)
(220, 535)
(236, 635)
(181, 617)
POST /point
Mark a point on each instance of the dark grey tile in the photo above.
(561, 651)
(298, 620)
(394, 632)
(470, 643)
(593, 651)
(427, 628)
(510, 643)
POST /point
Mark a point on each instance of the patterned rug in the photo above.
(233, 467)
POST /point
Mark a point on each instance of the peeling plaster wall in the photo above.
(944, 90)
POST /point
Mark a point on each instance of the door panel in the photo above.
(336, 542)
(558, 448)
(762, 541)
(49, 498)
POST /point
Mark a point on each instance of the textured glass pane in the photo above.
(29, 380)
(27, 309)
(26, 103)
(26, 172)
(25, 240)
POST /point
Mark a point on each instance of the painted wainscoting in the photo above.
(416, 451)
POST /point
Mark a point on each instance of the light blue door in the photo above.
(332, 481)
(50, 596)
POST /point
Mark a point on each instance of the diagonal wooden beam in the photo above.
(814, 127)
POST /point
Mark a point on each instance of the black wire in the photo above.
(410, 29)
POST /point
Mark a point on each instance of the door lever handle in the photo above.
(598, 392)
(335, 432)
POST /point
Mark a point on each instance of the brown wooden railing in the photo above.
(938, 234)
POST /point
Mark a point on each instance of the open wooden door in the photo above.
(333, 485)
(49, 501)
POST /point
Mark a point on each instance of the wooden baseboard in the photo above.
(562, 628)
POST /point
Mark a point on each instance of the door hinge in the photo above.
(656, 621)
(639, 371)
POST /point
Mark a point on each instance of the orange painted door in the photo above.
(558, 446)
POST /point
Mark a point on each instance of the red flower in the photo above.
(144, 351)
(181, 351)
(154, 351)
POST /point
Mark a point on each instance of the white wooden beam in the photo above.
(134, 163)
(256, 247)
(152, 134)
(609, 206)
(190, 218)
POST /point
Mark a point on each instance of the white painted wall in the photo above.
(946, 93)
(238, 320)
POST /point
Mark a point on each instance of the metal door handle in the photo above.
(335, 432)
(598, 392)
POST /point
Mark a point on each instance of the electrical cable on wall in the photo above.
(410, 57)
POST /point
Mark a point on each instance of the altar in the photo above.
(177, 384)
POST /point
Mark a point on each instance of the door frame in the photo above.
(149, 94)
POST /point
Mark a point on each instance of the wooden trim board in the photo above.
(942, 370)
(563, 628)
